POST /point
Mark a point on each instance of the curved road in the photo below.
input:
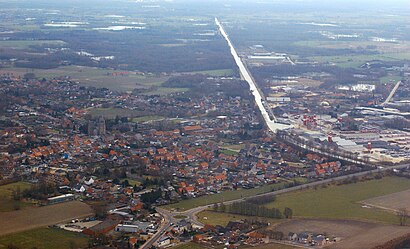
(191, 214)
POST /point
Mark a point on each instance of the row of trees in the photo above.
(250, 209)
(39, 192)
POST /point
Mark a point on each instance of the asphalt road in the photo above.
(191, 214)
(164, 227)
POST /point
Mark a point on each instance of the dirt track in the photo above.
(391, 202)
(354, 234)
(29, 218)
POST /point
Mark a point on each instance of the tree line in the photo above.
(251, 209)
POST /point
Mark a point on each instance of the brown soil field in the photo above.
(391, 202)
(353, 234)
(29, 218)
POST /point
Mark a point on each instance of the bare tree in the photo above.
(403, 214)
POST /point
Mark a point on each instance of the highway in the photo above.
(191, 214)
(272, 125)
(393, 91)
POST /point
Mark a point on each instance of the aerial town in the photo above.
(268, 149)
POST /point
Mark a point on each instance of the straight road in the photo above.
(393, 91)
(272, 125)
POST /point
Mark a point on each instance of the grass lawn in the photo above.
(236, 147)
(111, 113)
(190, 245)
(218, 218)
(223, 196)
(229, 152)
(341, 202)
(147, 118)
(45, 238)
(6, 198)
(131, 181)
(390, 79)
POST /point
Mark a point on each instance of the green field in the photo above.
(111, 113)
(190, 245)
(45, 238)
(390, 79)
(219, 218)
(356, 61)
(217, 73)
(99, 77)
(223, 196)
(131, 181)
(229, 152)
(341, 202)
(6, 196)
(27, 44)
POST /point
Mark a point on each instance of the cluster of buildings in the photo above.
(50, 134)
(91, 144)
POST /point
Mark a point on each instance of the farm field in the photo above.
(56, 238)
(353, 234)
(390, 79)
(382, 47)
(391, 202)
(342, 202)
(355, 61)
(192, 245)
(273, 246)
(220, 197)
(6, 196)
(218, 218)
(27, 44)
(220, 72)
(97, 77)
(26, 219)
